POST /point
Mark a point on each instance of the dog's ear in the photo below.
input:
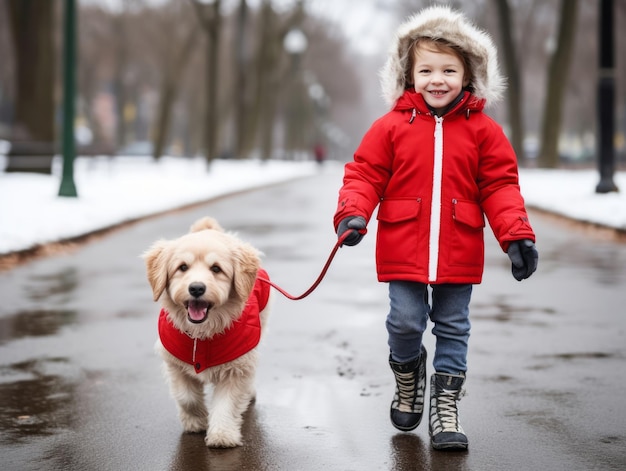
(205, 223)
(156, 259)
(247, 264)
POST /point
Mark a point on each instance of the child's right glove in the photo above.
(356, 224)
(524, 258)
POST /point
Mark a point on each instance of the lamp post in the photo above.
(209, 14)
(295, 43)
(606, 99)
(68, 188)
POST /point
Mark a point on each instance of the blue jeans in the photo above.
(408, 315)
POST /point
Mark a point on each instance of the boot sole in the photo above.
(406, 429)
(455, 446)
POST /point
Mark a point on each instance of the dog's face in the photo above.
(202, 278)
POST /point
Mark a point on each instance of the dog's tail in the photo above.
(204, 224)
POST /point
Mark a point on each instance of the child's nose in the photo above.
(437, 78)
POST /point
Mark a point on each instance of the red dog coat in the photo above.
(243, 335)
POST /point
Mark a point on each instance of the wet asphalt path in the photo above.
(81, 389)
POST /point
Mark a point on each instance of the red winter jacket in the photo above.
(434, 178)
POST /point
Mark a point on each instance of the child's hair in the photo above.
(435, 45)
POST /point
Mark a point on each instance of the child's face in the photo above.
(438, 76)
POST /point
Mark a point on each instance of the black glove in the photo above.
(524, 257)
(356, 224)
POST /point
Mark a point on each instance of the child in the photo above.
(434, 165)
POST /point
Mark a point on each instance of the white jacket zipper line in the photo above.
(435, 209)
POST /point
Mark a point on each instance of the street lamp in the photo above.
(295, 43)
(297, 109)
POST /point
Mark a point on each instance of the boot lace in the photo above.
(407, 392)
(447, 411)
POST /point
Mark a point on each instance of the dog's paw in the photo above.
(223, 439)
(194, 424)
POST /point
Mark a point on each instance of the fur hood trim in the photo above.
(441, 22)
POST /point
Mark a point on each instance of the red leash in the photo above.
(319, 278)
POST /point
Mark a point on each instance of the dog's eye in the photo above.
(183, 267)
(216, 269)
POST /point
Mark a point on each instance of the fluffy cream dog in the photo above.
(214, 308)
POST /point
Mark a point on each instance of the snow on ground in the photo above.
(571, 193)
(114, 190)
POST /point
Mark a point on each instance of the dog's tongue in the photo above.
(197, 311)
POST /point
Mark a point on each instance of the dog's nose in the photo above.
(197, 289)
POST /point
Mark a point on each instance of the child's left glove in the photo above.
(356, 225)
(524, 258)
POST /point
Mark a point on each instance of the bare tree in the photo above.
(173, 52)
(121, 55)
(241, 74)
(169, 87)
(558, 72)
(272, 31)
(210, 18)
(32, 26)
(515, 89)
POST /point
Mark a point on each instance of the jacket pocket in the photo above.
(398, 230)
(399, 210)
(468, 214)
(467, 244)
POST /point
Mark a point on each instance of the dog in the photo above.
(214, 310)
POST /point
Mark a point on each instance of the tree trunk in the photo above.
(118, 79)
(267, 85)
(31, 23)
(211, 21)
(212, 124)
(558, 73)
(515, 89)
(269, 74)
(241, 73)
(171, 79)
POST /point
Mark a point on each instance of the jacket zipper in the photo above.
(435, 209)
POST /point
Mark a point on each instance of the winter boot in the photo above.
(446, 432)
(407, 406)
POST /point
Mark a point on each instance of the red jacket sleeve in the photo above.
(498, 182)
(366, 177)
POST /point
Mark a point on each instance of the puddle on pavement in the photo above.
(549, 361)
(580, 356)
(33, 402)
(42, 287)
(502, 311)
(604, 262)
(256, 453)
(410, 452)
(499, 378)
(34, 323)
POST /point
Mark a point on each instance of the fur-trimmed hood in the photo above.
(441, 22)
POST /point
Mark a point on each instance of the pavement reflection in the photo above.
(80, 385)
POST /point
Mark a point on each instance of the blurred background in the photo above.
(283, 79)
